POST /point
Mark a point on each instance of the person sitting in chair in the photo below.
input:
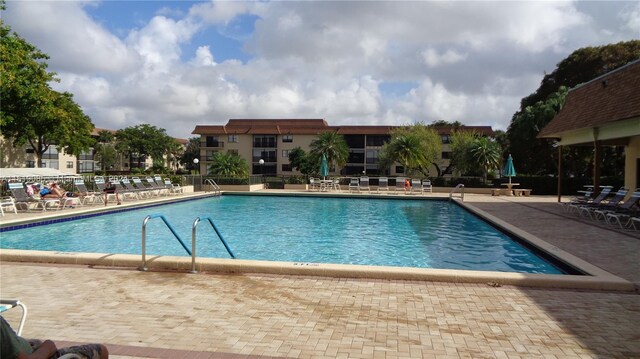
(17, 347)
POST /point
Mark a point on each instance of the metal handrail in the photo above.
(214, 185)
(144, 239)
(193, 241)
(459, 186)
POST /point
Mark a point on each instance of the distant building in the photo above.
(271, 140)
(24, 157)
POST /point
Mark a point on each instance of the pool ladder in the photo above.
(460, 188)
(191, 252)
(214, 186)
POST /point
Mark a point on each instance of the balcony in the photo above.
(215, 144)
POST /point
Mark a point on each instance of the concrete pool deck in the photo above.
(169, 315)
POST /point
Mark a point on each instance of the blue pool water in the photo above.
(406, 233)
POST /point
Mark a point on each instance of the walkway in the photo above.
(173, 315)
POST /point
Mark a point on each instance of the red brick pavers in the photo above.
(308, 317)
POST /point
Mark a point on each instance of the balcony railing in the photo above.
(215, 144)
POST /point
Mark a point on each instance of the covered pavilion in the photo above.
(602, 112)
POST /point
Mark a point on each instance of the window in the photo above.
(266, 155)
(233, 138)
(285, 153)
(286, 167)
(444, 138)
(372, 156)
(399, 169)
(377, 140)
(446, 155)
(233, 152)
(268, 141)
(213, 141)
(69, 164)
(287, 138)
(31, 164)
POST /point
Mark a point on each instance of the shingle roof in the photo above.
(612, 97)
(307, 127)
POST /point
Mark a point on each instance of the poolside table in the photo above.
(509, 190)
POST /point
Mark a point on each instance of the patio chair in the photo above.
(364, 184)
(102, 185)
(7, 204)
(587, 210)
(6, 304)
(383, 184)
(354, 185)
(173, 188)
(336, 184)
(148, 191)
(426, 186)
(621, 212)
(416, 186)
(160, 185)
(85, 194)
(21, 198)
(400, 184)
(160, 189)
(314, 184)
(574, 206)
(139, 193)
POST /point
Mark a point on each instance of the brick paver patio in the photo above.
(173, 315)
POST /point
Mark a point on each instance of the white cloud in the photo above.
(434, 59)
(471, 61)
(632, 19)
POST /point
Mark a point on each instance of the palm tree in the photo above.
(406, 150)
(228, 164)
(333, 146)
(487, 154)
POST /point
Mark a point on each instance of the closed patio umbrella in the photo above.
(324, 167)
(509, 170)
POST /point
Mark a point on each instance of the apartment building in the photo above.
(271, 140)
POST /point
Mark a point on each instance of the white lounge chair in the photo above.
(87, 196)
(400, 184)
(383, 184)
(23, 199)
(416, 186)
(314, 184)
(6, 304)
(364, 184)
(426, 186)
(8, 204)
(173, 188)
(354, 185)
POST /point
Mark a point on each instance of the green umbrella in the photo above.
(324, 167)
(509, 170)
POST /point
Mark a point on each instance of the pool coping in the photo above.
(595, 278)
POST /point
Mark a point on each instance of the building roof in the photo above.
(308, 127)
(612, 97)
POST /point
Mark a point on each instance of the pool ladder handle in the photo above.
(191, 252)
(459, 187)
(214, 186)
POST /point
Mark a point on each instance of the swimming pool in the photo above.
(379, 232)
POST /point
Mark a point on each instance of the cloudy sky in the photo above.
(175, 64)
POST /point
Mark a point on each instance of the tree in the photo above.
(415, 147)
(333, 146)
(487, 154)
(461, 143)
(174, 153)
(303, 162)
(142, 141)
(191, 152)
(228, 164)
(536, 156)
(105, 150)
(31, 112)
